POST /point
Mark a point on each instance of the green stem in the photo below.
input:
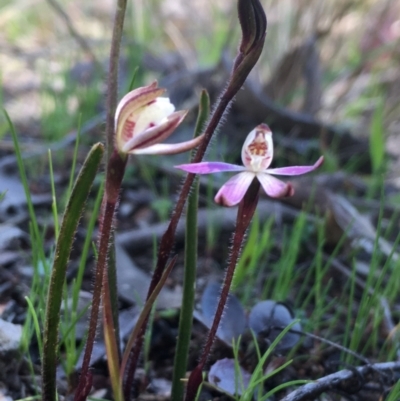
(189, 279)
(245, 213)
(247, 57)
(167, 240)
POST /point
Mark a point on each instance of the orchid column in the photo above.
(243, 190)
(142, 120)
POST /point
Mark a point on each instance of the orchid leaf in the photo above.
(73, 212)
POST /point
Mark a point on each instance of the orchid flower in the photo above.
(143, 119)
(257, 153)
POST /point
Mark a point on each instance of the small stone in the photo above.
(10, 337)
(3, 396)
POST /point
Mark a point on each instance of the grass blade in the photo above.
(377, 139)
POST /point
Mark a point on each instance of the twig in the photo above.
(326, 341)
(343, 380)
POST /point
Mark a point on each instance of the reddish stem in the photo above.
(115, 173)
(245, 213)
(167, 241)
(243, 64)
(84, 386)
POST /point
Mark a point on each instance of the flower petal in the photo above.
(128, 105)
(233, 191)
(139, 97)
(275, 188)
(155, 134)
(295, 170)
(152, 114)
(209, 167)
(258, 149)
(169, 148)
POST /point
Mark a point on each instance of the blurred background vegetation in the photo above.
(53, 56)
(333, 62)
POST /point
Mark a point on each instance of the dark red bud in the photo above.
(253, 22)
(254, 27)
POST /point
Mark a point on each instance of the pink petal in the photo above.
(209, 167)
(233, 191)
(275, 188)
(295, 170)
(155, 134)
(169, 148)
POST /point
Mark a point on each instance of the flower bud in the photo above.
(143, 119)
(254, 25)
(253, 22)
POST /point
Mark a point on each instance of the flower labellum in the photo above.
(257, 154)
(143, 119)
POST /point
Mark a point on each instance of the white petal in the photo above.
(258, 149)
(169, 148)
(152, 114)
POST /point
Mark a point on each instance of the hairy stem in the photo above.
(112, 82)
(254, 25)
(115, 173)
(84, 385)
(167, 240)
(245, 213)
(111, 105)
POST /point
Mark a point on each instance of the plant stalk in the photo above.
(115, 173)
(106, 245)
(245, 213)
(189, 278)
(111, 105)
(254, 25)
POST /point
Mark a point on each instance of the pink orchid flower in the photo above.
(257, 153)
(143, 119)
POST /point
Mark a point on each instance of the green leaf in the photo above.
(73, 212)
(377, 139)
